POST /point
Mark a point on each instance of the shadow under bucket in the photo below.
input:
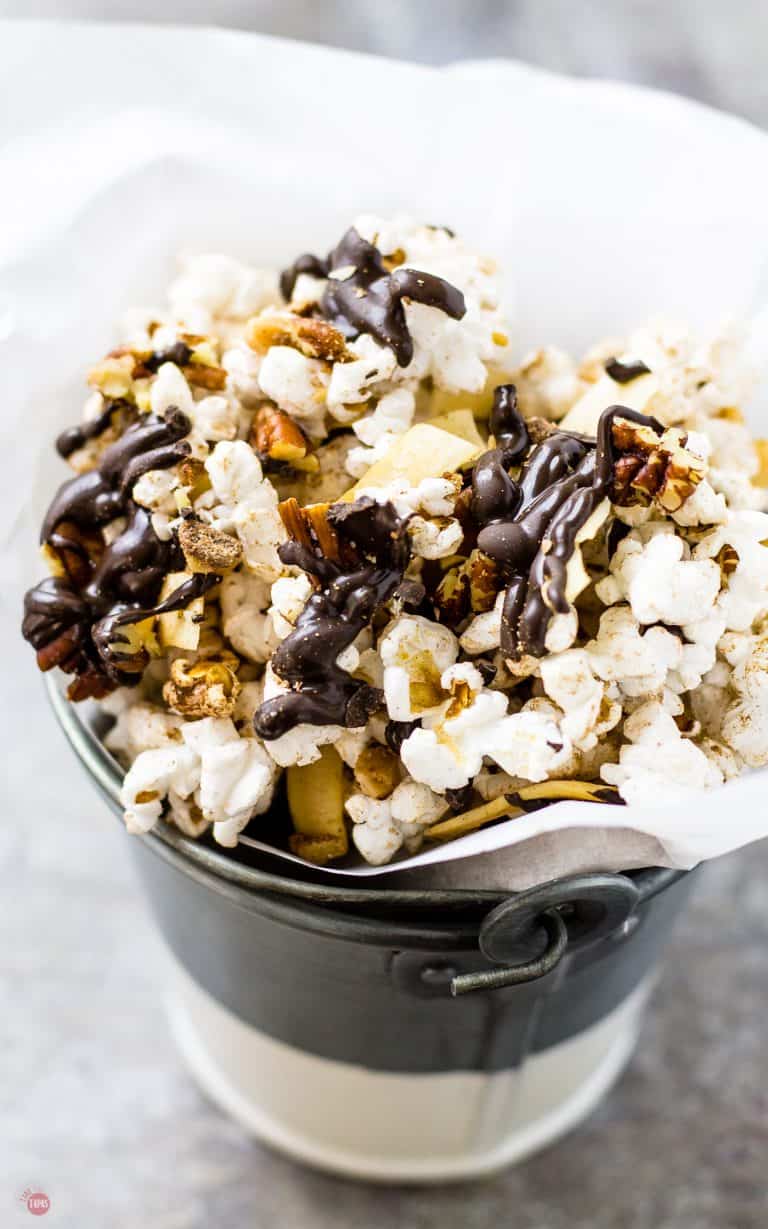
(397, 1035)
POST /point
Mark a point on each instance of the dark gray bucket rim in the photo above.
(298, 903)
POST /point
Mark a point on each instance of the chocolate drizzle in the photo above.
(529, 524)
(77, 437)
(369, 299)
(78, 621)
(624, 373)
(375, 548)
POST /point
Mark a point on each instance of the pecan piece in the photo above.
(206, 549)
(275, 435)
(471, 587)
(377, 771)
(91, 685)
(201, 375)
(72, 553)
(649, 466)
(312, 338)
(64, 650)
(309, 525)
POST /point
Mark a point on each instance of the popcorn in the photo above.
(203, 688)
(432, 496)
(141, 726)
(155, 490)
(247, 504)
(352, 382)
(295, 383)
(738, 547)
(242, 368)
(634, 648)
(381, 827)
(745, 724)
(149, 779)
(654, 571)
(588, 706)
(658, 766)
(448, 752)
(237, 777)
(393, 416)
(170, 390)
(215, 418)
(483, 634)
(212, 286)
(435, 539)
(414, 652)
(639, 662)
(548, 383)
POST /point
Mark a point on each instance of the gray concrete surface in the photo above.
(95, 1108)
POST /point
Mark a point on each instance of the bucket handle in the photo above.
(572, 912)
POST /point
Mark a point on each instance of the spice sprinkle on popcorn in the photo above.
(328, 546)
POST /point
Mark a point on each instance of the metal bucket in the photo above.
(397, 1035)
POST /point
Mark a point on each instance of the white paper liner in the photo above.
(603, 203)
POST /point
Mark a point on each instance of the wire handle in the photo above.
(572, 912)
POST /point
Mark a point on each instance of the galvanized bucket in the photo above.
(396, 1035)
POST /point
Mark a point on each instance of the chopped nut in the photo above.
(113, 376)
(313, 338)
(539, 428)
(194, 477)
(91, 685)
(471, 587)
(57, 651)
(652, 467)
(377, 771)
(202, 375)
(206, 549)
(277, 436)
(73, 553)
(452, 596)
(206, 688)
(302, 523)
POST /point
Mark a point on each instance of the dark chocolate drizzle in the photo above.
(117, 585)
(396, 733)
(73, 438)
(529, 523)
(624, 373)
(370, 299)
(179, 353)
(507, 425)
(307, 263)
(348, 596)
(461, 799)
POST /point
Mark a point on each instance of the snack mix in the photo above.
(326, 544)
